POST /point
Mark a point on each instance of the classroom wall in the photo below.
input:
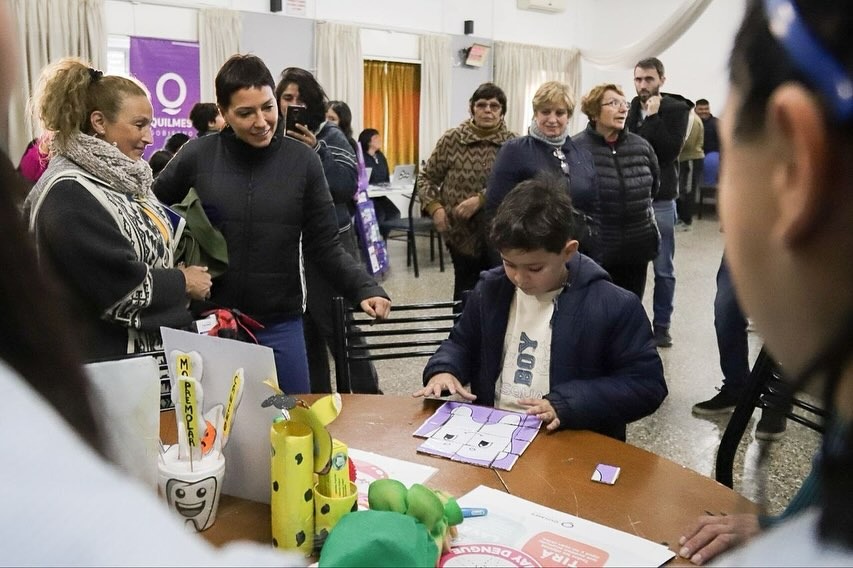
(696, 64)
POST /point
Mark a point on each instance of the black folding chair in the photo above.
(766, 389)
(410, 331)
(416, 224)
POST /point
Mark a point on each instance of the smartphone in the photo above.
(293, 115)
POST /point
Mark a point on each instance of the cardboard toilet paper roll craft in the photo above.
(300, 447)
(191, 472)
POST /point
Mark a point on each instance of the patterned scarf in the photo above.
(553, 140)
(106, 162)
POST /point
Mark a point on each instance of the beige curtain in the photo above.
(218, 39)
(520, 69)
(667, 33)
(436, 63)
(340, 69)
(49, 30)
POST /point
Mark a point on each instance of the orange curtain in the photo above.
(392, 106)
(374, 96)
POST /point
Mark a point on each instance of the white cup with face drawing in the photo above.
(193, 493)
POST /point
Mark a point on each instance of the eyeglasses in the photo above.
(616, 103)
(482, 105)
(564, 165)
(810, 57)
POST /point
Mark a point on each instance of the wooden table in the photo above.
(654, 498)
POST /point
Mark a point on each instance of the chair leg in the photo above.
(440, 252)
(432, 246)
(414, 253)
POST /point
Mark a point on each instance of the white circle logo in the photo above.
(171, 106)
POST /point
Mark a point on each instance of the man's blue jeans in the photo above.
(287, 340)
(664, 265)
(732, 341)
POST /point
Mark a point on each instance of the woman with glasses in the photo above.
(453, 182)
(628, 179)
(549, 148)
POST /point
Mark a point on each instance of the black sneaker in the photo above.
(662, 337)
(723, 402)
(771, 426)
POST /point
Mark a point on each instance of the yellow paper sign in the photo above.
(234, 396)
(189, 411)
(184, 365)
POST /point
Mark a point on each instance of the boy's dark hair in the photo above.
(702, 102)
(241, 72)
(201, 115)
(651, 63)
(488, 91)
(312, 94)
(536, 214)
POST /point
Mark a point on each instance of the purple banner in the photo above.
(170, 71)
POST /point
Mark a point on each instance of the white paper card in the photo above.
(516, 532)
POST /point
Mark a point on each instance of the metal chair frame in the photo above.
(359, 338)
(766, 390)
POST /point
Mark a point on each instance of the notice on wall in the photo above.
(170, 71)
(295, 8)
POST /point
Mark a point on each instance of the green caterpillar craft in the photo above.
(404, 527)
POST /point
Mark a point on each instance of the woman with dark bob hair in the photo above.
(786, 202)
(268, 195)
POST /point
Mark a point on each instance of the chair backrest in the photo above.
(766, 389)
(410, 331)
(711, 168)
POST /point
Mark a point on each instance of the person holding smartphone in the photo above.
(303, 102)
(267, 193)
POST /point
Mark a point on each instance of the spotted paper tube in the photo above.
(292, 477)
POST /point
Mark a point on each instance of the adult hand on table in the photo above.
(444, 382)
(376, 307)
(711, 535)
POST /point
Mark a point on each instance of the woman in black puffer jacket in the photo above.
(628, 179)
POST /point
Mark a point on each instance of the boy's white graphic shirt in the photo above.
(527, 350)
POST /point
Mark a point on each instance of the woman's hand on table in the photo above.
(376, 307)
(198, 281)
(543, 410)
(711, 535)
(444, 382)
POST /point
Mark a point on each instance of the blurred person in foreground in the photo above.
(84, 518)
(786, 203)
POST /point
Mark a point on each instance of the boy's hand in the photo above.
(442, 382)
(543, 410)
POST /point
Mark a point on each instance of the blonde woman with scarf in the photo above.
(96, 223)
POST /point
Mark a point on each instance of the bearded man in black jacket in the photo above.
(661, 118)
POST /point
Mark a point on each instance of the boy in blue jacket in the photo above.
(548, 333)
